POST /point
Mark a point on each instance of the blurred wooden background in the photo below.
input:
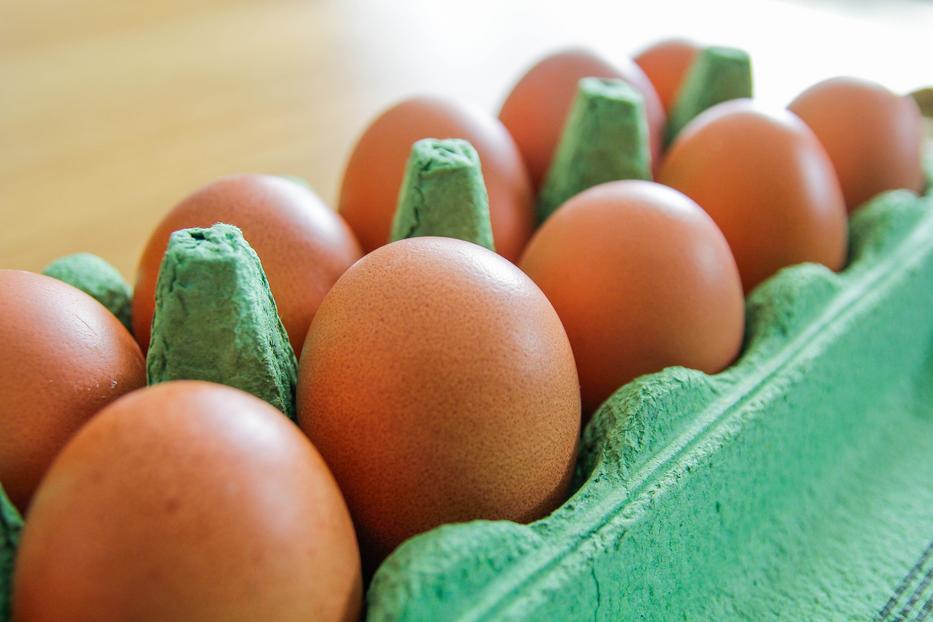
(110, 112)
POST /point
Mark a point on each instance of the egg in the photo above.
(188, 501)
(373, 177)
(63, 357)
(303, 245)
(874, 138)
(535, 109)
(767, 183)
(666, 63)
(642, 279)
(439, 385)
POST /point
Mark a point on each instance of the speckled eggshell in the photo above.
(303, 245)
(439, 385)
(188, 500)
(63, 357)
(535, 109)
(371, 182)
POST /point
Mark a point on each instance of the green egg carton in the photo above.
(797, 484)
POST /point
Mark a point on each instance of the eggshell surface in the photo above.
(63, 357)
(371, 182)
(535, 110)
(642, 279)
(302, 244)
(767, 183)
(188, 501)
(666, 64)
(873, 136)
(438, 383)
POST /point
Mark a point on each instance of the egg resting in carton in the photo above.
(794, 484)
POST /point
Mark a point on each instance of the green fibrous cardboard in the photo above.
(10, 526)
(605, 138)
(215, 318)
(718, 74)
(97, 278)
(794, 485)
(443, 194)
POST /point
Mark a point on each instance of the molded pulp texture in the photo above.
(98, 279)
(794, 485)
(215, 318)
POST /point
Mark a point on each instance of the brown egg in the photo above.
(373, 177)
(188, 501)
(873, 137)
(666, 63)
(63, 357)
(642, 279)
(535, 110)
(439, 385)
(768, 184)
(303, 245)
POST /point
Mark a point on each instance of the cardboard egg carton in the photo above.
(797, 484)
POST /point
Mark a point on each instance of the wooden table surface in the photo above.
(110, 113)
